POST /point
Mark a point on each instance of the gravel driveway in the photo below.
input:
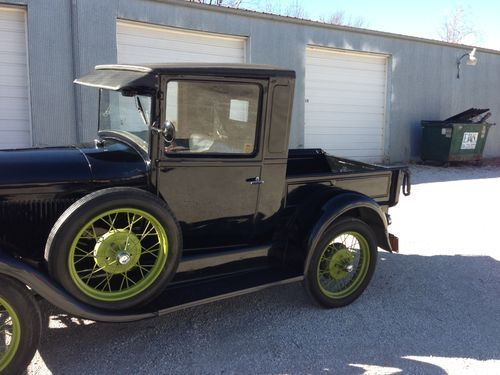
(432, 309)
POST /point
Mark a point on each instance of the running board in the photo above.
(185, 295)
(178, 296)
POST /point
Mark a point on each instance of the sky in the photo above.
(420, 18)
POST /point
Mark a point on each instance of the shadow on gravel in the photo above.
(424, 174)
(445, 306)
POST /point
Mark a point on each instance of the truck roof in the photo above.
(120, 76)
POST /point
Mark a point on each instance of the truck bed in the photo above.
(314, 166)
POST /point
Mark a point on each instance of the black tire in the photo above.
(17, 299)
(98, 239)
(342, 263)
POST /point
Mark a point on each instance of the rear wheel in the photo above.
(20, 326)
(115, 249)
(342, 264)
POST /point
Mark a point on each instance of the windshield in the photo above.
(123, 114)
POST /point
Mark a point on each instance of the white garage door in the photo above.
(15, 128)
(144, 43)
(346, 103)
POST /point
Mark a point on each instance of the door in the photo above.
(210, 174)
(146, 43)
(15, 127)
(345, 105)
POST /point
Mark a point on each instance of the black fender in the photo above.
(51, 292)
(354, 205)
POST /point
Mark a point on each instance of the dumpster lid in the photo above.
(467, 116)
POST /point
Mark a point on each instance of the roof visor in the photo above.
(118, 79)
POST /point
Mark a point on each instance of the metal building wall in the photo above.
(66, 38)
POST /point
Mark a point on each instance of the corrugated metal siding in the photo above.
(137, 42)
(346, 103)
(15, 127)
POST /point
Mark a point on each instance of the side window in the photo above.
(213, 117)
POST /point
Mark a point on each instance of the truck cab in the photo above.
(219, 141)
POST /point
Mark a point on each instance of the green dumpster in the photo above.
(455, 139)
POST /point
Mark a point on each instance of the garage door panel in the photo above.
(340, 98)
(324, 87)
(365, 154)
(12, 38)
(332, 56)
(162, 33)
(356, 82)
(15, 127)
(14, 139)
(345, 103)
(13, 92)
(13, 69)
(11, 104)
(331, 111)
(346, 130)
(145, 54)
(8, 116)
(345, 118)
(347, 75)
(180, 47)
(12, 58)
(137, 42)
(340, 139)
(12, 81)
(150, 37)
(353, 66)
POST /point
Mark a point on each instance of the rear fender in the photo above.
(349, 204)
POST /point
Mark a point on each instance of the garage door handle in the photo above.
(255, 181)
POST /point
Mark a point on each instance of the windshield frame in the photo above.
(129, 136)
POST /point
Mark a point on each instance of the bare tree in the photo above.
(295, 9)
(457, 26)
(291, 9)
(219, 3)
(341, 18)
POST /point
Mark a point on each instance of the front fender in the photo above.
(349, 204)
(43, 286)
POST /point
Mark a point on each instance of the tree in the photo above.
(291, 9)
(219, 3)
(457, 26)
(341, 18)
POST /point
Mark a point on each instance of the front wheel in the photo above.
(115, 248)
(20, 326)
(342, 263)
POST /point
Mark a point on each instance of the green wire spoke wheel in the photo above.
(115, 248)
(20, 326)
(118, 254)
(342, 263)
(10, 333)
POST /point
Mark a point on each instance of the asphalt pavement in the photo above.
(432, 309)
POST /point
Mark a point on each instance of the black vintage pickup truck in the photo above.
(189, 194)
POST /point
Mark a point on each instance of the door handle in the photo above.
(255, 181)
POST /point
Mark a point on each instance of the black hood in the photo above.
(111, 162)
(43, 166)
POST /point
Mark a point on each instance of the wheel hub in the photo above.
(117, 251)
(123, 257)
(340, 264)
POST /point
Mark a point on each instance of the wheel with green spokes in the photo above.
(115, 248)
(342, 263)
(20, 325)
